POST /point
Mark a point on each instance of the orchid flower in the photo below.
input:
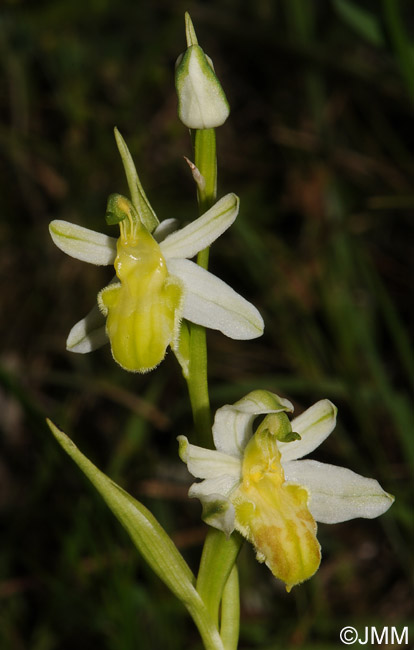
(255, 483)
(156, 284)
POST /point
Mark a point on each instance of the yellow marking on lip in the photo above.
(143, 311)
(273, 515)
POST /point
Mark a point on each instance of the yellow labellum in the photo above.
(143, 311)
(273, 515)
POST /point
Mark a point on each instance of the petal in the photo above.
(210, 302)
(220, 486)
(336, 493)
(217, 511)
(165, 228)
(313, 426)
(82, 243)
(88, 334)
(207, 463)
(203, 231)
(232, 426)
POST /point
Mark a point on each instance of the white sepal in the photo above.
(88, 334)
(313, 425)
(82, 243)
(165, 228)
(221, 486)
(217, 512)
(336, 493)
(210, 302)
(200, 233)
(232, 428)
(207, 463)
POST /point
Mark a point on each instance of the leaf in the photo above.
(155, 546)
(147, 534)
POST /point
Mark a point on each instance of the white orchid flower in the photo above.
(156, 284)
(255, 483)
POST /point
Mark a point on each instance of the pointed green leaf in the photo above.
(148, 536)
(150, 539)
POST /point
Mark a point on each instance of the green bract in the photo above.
(202, 103)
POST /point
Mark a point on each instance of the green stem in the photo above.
(217, 577)
(217, 560)
(206, 163)
(198, 385)
(230, 611)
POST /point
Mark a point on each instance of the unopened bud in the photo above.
(202, 103)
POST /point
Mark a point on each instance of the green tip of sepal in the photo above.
(183, 448)
(190, 34)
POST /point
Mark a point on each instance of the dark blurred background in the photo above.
(319, 146)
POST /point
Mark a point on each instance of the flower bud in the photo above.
(202, 103)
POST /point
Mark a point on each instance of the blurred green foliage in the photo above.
(319, 146)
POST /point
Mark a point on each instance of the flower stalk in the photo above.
(217, 581)
(206, 164)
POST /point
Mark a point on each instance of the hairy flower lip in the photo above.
(335, 494)
(207, 300)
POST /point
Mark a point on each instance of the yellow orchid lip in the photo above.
(143, 310)
(273, 515)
